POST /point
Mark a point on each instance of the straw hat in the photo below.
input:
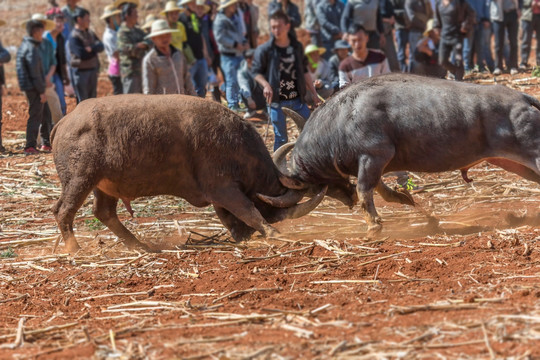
(170, 6)
(225, 3)
(312, 48)
(109, 11)
(429, 27)
(150, 18)
(198, 2)
(49, 25)
(117, 3)
(160, 27)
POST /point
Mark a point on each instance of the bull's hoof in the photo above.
(374, 230)
(72, 247)
(270, 231)
(140, 246)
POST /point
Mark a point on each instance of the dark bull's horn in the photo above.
(300, 210)
(297, 118)
(290, 198)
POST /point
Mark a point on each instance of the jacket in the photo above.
(61, 61)
(166, 75)
(402, 22)
(227, 35)
(266, 63)
(292, 11)
(481, 7)
(4, 58)
(526, 12)
(311, 21)
(466, 15)
(29, 68)
(130, 55)
(329, 17)
(363, 12)
(78, 42)
(418, 12)
(496, 12)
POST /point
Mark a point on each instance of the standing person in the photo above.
(179, 38)
(530, 22)
(280, 67)
(288, 8)
(250, 90)
(363, 62)
(231, 44)
(386, 10)
(5, 57)
(474, 43)
(191, 18)
(111, 16)
(329, 18)
(32, 81)
(453, 19)
(426, 54)
(418, 12)
(341, 51)
(365, 13)
(132, 47)
(311, 21)
(164, 67)
(60, 78)
(69, 11)
(401, 25)
(504, 15)
(84, 47)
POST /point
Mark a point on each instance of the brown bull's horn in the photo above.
(305, 208)
(280, 157)
(290, 198)
(291, 183)
(297, 118)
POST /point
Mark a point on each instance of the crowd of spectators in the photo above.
(185, 46)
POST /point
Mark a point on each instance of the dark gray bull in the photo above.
(404, 122)
(124, 147)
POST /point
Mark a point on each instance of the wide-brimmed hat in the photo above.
(198, 2)
(160, 27)
(341, 44)
(148, 21)
(117, 3)
(312, 48)
(429, 27)
(171, 6)
(109, 11)
(225, 3)
(49, 25)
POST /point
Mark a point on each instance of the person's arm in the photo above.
(343, 79)
(322, 18)
(437, 24)
(97, 46)
(346, 17)
(149, 80)
(470, 17)
(385, 67)
(294, 15)
(35, 72)
(4, 55)
(243, 78)
(259, 68)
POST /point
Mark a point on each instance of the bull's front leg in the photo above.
(370, 212)
(369, 175)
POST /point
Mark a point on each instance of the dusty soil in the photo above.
(469, 288)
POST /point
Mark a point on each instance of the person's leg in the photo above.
(445, 50)
(526, 37)
(512, 22)
(92, 83)
(301, 108)
(35, 114)
(278, 122)
(229, 66)
(498, 30)
(389, 48)
(536, 28)
(116, 82)
(374, 41)
(414, 38)
(468, 46)
(486, 47)
(126, 84)
(402, 38)
(59, 88)
(199, 75)
(2, 148)
(81, 83)
(458, 57)
(45, 128)
(477, 49)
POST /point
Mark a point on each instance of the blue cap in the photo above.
(341, 44)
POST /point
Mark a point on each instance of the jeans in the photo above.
(478, 43)
(199, 75)
(510, 24)
(448, 47)
(132, 84)
(37, 120)
(59, 87)
(230, 65)
(486, 47)
(402, 39)
(116, 82)
(468, 49)
(414, 38)
(278, 118)
(528, 27)
(85, 83)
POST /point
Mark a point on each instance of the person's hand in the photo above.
(268, 93)
(242, 47)
(48, 82)
(250, 103)
(316, 100)
(88, 49)
(318, 83)
(42, 98)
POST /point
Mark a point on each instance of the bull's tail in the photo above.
(532, 101)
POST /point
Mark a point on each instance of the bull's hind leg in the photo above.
(105, 211)
(238, 204)
(516, 168)
(71, 199)
(239, 230)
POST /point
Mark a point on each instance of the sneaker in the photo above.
(249, 115)
(497, 71)
(31, 151)
(514, 71)
(45, 148)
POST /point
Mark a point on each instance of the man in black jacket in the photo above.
(280, 67)
(4, 58)
(32, 81)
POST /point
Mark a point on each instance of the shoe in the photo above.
(31, 151)
(514, 71)
(45, 149)
(523, 67)
(497, 71)
(249, 115)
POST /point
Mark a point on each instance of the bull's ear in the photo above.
(291, 183)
